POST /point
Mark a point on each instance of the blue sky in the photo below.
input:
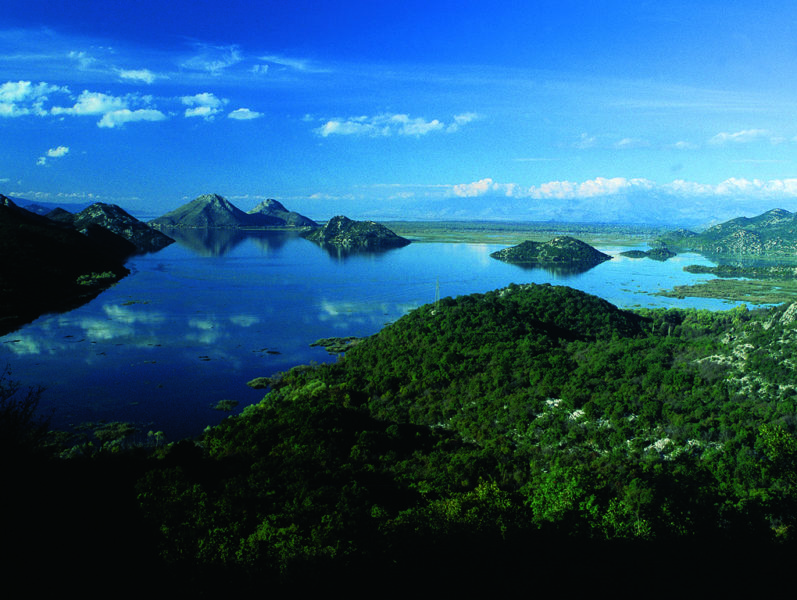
(522, 110)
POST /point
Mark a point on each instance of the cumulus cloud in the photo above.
(18, 98)
(138, 75)
(739, 137)
(384, 125)
(244, 114)
(53, 153)
(117, 118)
(205, 105)
(614, 186)
(91, 103)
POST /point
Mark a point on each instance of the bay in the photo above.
(194, 322)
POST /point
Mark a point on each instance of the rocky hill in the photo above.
(561, 250)
(211, 211)
(344, 233)
(99, 217)
(48, 266)
(274, 210)
(772, 233)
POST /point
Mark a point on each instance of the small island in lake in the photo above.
(561, 250)
(346, 234)
(662, 253)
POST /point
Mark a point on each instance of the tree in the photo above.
(22, 430)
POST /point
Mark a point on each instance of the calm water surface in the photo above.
(194, 322)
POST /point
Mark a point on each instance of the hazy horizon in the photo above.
(444, 110)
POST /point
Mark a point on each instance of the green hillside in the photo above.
(532, 427)
(773, 233)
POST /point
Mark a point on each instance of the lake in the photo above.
(194, 322)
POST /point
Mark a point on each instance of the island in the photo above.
(345, 234)
(661, 253)
(561, 250)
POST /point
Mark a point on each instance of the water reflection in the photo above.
(557, 270)
(200, 318)
(343, 253)
(221, 242)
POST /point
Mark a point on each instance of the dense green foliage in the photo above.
(492, 422)
(533, 426)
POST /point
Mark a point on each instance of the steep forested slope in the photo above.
(494, 424)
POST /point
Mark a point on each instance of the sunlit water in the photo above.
(196, 321)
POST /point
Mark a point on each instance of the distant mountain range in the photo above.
(211, 211)
(771, 233)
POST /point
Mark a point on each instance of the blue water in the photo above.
(194, 322)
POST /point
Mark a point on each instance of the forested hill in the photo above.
(496, 426)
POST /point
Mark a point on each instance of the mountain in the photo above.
(206, 211)
(48, 266)
(275, 210)
(561, 250)
(344, 233)
(771, 233)
(214, 211)
(112, 218)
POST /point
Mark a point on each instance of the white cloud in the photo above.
(205, 105)
(142, 75)
(83, 59)
(739, 137)
(18, 98)
(460, 120)
(284, 62)
(92, 103)
(213, 59)
(117, 118)
(611, 186)
(384, 125)
(57, 152)
(53, 153)
(627, 142)
(244, 114)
